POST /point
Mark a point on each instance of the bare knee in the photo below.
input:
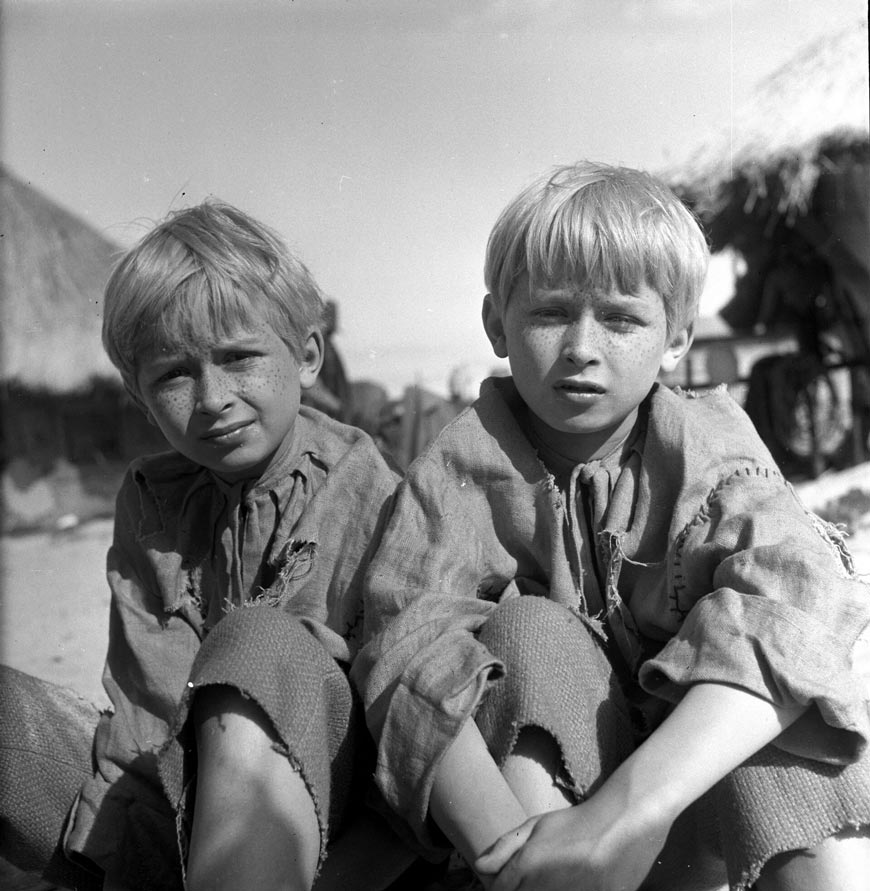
(254, 822)
(218, 707)
(841, 861)
(231, 730)
(532, 771)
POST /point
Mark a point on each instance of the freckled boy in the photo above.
(606, 645)
(235, 575)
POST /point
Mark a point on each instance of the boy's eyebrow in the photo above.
(240, 340)
(155, 360)
(567, 291)
(544, 292)
(172, 353)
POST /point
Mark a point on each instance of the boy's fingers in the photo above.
(494, 858)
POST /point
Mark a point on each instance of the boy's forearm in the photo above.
(470, 800)
(618, 832)
(713, 730)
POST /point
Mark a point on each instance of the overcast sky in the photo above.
(380, 137)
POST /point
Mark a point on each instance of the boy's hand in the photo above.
(593, 846)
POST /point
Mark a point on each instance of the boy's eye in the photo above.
(236, 357)
(620, 320)
(549, 312)
(171, 375)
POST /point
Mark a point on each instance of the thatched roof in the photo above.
(807, 118)
(54, 268)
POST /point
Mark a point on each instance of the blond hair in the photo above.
(198, 275)
(605, 227)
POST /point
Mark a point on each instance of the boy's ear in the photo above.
(677, 348)
(493, 326)
(311, 360)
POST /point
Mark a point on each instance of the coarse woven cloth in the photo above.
(46, 739)
(558, 678)
(776, 802)
(272, 659)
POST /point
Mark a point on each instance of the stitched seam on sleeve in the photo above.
(702, 517)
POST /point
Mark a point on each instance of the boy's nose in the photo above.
(581, 342)
(213, 394)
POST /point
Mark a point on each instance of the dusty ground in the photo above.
(55, 616)
(55, 599)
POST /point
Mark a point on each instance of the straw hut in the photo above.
(786, 187)
(790, 177)
(59, 395)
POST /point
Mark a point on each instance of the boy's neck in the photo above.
(574, 448)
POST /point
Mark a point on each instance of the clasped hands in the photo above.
(593, 846)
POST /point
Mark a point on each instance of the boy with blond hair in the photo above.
(607, 647)
(232, 748)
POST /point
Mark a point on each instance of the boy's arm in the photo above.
(422, 670)
(149, 656)
(152, 643)
(611, 840)
(771, 605)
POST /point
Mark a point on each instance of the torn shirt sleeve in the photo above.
(148, 660)
(771, 607)
(423, 672)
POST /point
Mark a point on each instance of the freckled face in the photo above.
(230, 405)
(583, 360)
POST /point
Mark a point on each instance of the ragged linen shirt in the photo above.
(187, 547)
(708, 566)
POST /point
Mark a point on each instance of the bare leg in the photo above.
(531, 769)
(254, 823)
(841, 862)
(471, 801)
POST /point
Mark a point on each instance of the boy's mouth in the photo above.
(580, 388)
(223, 434)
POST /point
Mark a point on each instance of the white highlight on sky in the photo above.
(380, 138)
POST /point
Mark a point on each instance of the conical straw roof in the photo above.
(802, 120)
(54, 269)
